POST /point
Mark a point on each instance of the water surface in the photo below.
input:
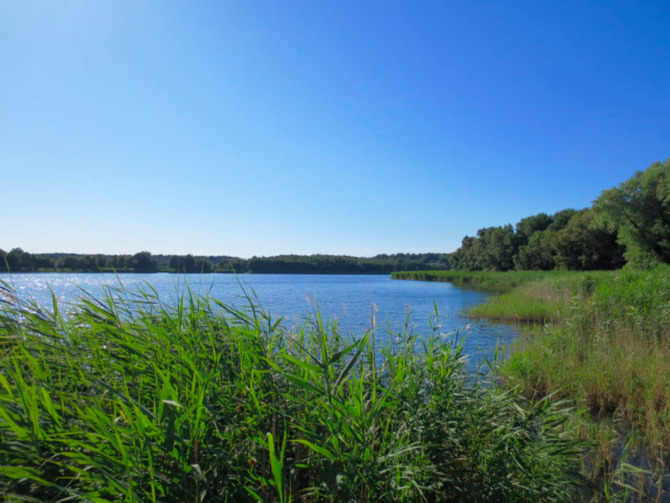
(353, 300)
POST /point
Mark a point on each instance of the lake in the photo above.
(352, 300)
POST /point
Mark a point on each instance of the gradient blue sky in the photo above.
(259, 128)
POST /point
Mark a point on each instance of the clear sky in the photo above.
(348, 127)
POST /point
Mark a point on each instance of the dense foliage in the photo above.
(130, 399)
(628, 223)
(639, 210)
(18, 260)
(567, 240)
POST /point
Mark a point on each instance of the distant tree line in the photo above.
(18, 260)
(341, 264)
(626, 224)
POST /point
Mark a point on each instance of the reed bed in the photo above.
(129, 398)
(602, 340)
(495, 281)
(538, 298)
(611, 349)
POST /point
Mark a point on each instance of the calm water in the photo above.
(351, 299)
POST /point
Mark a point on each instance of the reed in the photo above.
(610, 349)
(600, 339)
(129, 398)
(495, 281)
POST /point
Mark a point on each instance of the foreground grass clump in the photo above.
(132, 399)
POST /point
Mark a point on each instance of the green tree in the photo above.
(499, 248)
(120, 262)
(538, 254)
(69, 262)
(463, 259)
(183, 264)
(16, 259)
(203, 266)
(492, 250)
(144, 262)
(639, 210)
(530, 225)
(237, 265)
(581, 245)
(560, 219)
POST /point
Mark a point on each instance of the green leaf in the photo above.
(316, 448)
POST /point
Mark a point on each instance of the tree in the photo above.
(492, 250)
(499, 248)
(561, 219)
(69, 262)
(639, 210)
(184, 264)
(120, 262)
(538, 254)
(17, 260)
(583, 246)
(237, 265)
(463, 259)
(144, 262)
(91, 263)
(203, 266)
(530, 225)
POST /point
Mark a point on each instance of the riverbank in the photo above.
(600, 339)
(129, 398)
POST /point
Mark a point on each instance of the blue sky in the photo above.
(260, 128)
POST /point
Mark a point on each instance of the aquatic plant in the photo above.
(134, 399)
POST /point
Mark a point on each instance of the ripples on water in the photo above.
(352, 300)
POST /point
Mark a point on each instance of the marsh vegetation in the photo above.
(602, 341)
(129, 398)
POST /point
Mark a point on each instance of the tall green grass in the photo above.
(539, 299)
(602, 340)
(611, 349)
(521, 296)
(484, 280)
(129, 398)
